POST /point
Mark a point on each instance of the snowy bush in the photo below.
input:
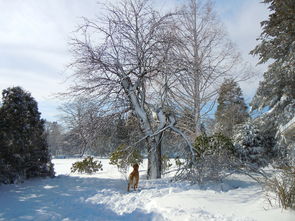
(283, 187)
(125, 156)
(214, 160)
(251, 146)
(210, 145)
(88, 165)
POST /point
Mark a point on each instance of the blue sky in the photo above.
(34, 37)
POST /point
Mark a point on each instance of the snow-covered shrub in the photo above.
(210, 145)
(125, 156)
(251, 145)
(88, 165)
(213, 161)
(283, 187)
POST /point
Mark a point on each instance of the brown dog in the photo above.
(133, 178)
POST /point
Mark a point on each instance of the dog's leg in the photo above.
(136, 184)
(128, 189)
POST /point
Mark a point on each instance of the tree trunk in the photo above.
(153, 144)
(154, 159)
(196, 72)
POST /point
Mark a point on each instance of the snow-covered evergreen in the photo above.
(24, 153)
(252, 145)
(277, 90)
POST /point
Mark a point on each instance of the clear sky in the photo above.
(34, 36)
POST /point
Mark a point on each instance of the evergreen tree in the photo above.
(277, 44)
(23, 150)
(252, 145)
(231, 109)
(277, 90)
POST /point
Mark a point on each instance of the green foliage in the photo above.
(208, 145)
(214, 160)
(125, 156)
(88, 165)
(283, 186)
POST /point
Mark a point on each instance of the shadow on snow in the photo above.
(63, 197)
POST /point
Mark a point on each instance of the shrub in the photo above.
(125, 156)
(88, 165)
(252, 146)
(210, 145)
(283, 187)
(214, 160)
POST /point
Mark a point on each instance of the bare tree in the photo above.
(204, 57)
(55, 137)
(81, 117)
(118, 57)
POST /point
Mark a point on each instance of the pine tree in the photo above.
(278, 44)
(24, 151)
(277, 90)
(231, 109)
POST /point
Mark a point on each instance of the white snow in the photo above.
(103, 196)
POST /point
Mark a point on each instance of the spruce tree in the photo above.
(24, 151)
(231, 109)
(277, 90)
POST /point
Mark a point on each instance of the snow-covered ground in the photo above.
(103, 196)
